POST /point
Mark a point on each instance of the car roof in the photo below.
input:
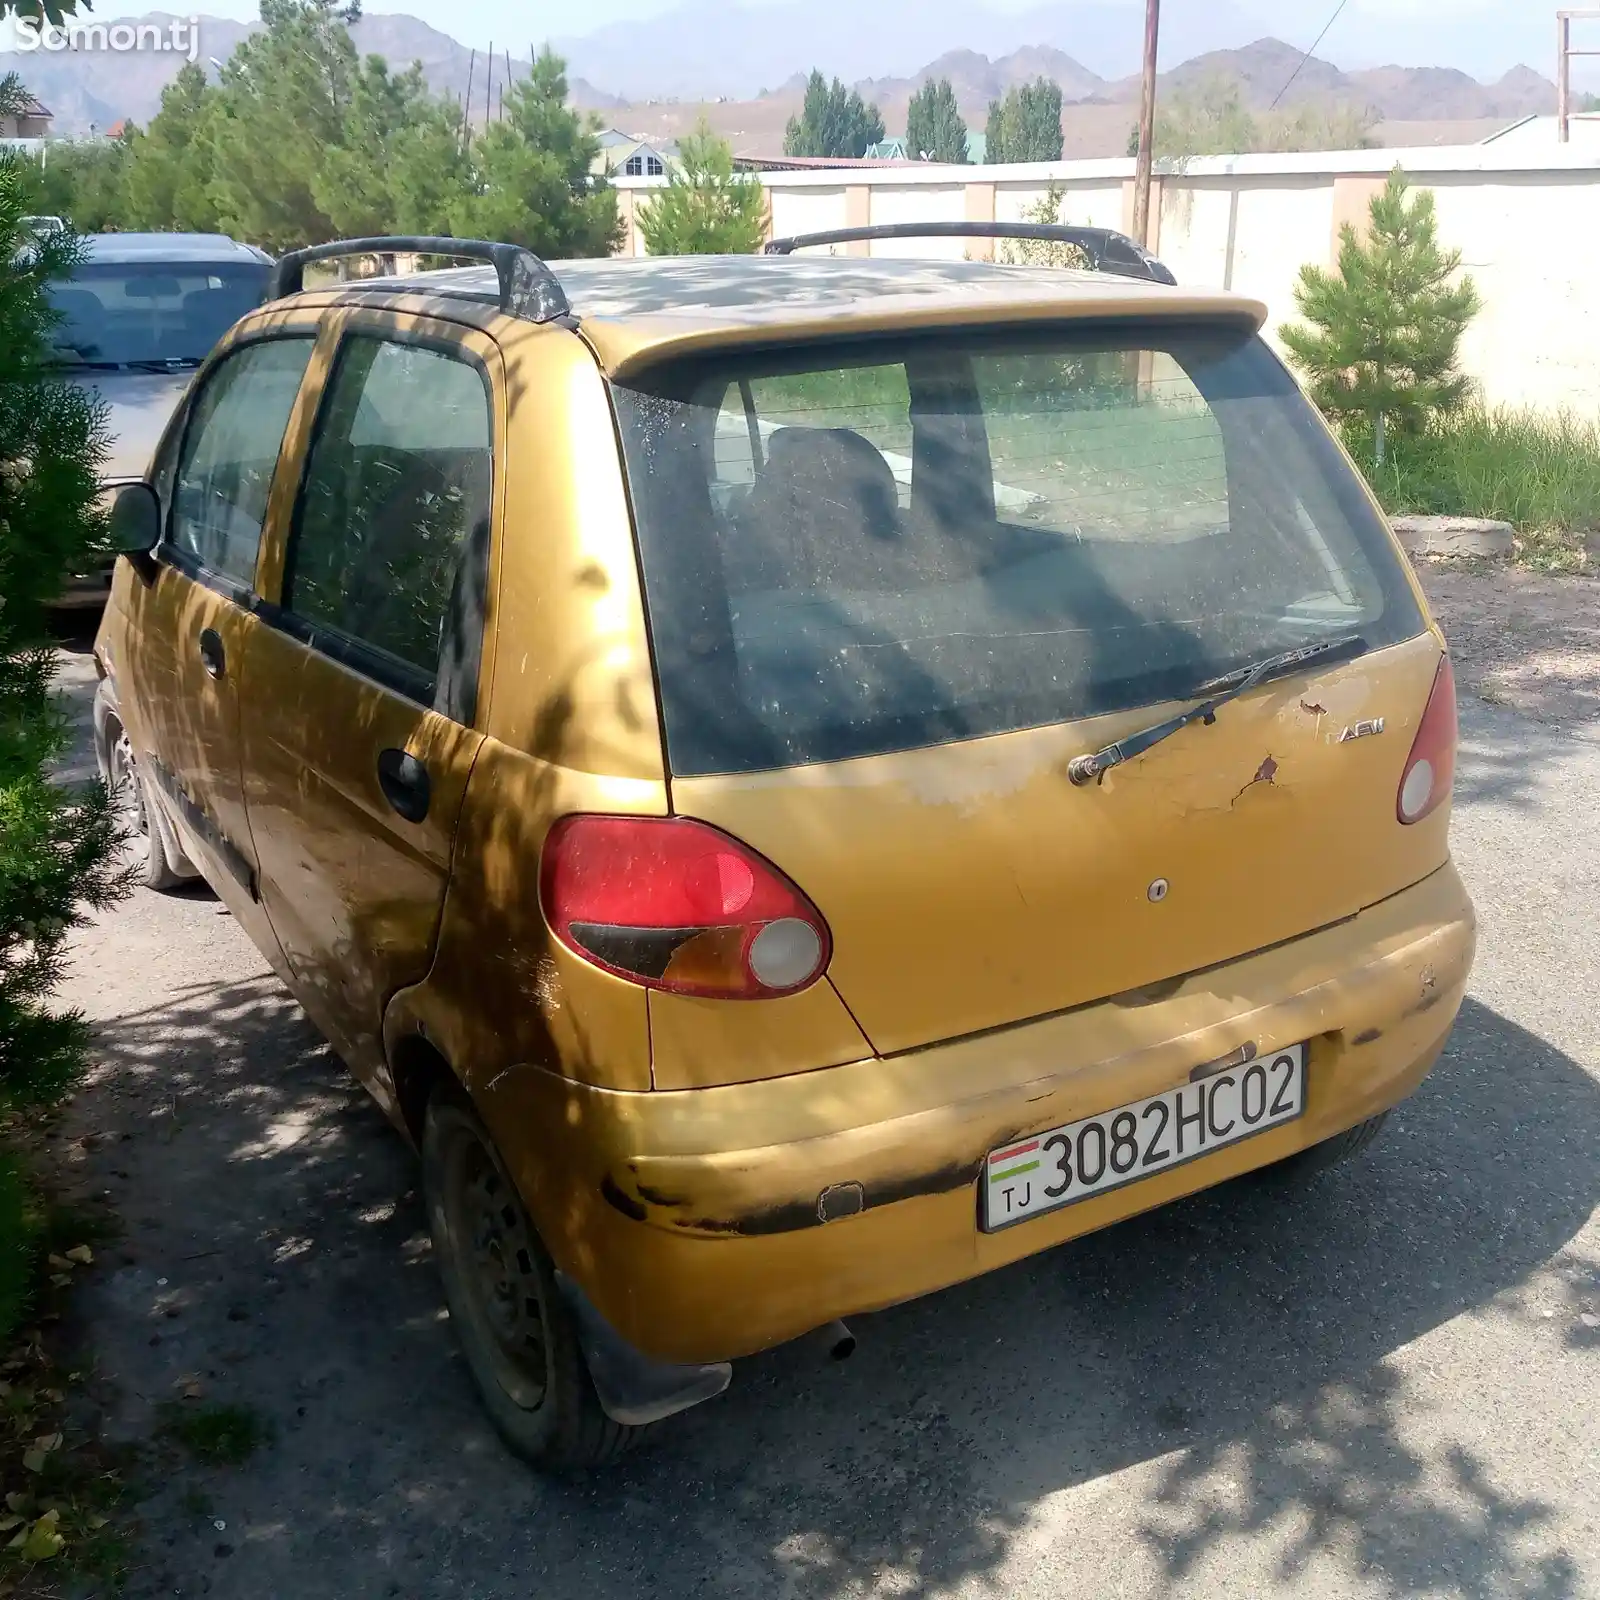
(128, 248)
(634, 309)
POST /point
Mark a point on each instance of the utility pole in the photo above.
(1147, 124)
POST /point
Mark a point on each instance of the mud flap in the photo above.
(633, 1389)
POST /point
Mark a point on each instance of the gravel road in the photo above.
(1384, 1385)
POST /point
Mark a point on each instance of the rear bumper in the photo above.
(693, 1219)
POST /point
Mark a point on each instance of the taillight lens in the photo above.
(1431, 766)
(674, 904)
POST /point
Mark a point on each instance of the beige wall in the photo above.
(1529, 234)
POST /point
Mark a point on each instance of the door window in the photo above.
(230, 452)
(390, 550)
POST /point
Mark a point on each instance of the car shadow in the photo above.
(275, 1251)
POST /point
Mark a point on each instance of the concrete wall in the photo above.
(1527, 225)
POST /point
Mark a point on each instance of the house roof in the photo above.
(1543, 133)
(812, 163)
(894, 149)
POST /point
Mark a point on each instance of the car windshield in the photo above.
(152, 312)
(867, 549)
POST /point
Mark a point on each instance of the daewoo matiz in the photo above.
(797, 780)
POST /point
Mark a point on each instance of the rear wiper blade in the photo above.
(1092, 768)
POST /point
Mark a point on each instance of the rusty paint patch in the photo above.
(625, 1203)
(1265, 773)
(1426, 1003)
(1367, 1036)
(791, 1216)
(1312, 709)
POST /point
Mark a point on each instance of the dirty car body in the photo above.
(646, 735)
(140, 315)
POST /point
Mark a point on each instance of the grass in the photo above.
(1539, 472)
(220, 1435)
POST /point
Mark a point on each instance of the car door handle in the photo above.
(405, 783)
(212, 656)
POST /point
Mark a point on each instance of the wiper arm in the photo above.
(164, 364)
(1092, 768)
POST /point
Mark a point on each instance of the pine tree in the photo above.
(1026, 124)
(834, 123)
(1384, 333)
(707, 207)
(934, 129)
(172, 161)
(532, 174)
(56, 844)
(399, 162)
(285, 96)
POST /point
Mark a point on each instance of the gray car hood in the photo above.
(141, 404)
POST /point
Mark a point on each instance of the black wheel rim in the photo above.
(492, 1241)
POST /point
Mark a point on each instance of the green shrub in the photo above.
(707, 208)
(1380, 341)
(57, 846)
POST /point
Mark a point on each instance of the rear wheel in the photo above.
(1317, 1158)
(515, 1328)
(137, 816)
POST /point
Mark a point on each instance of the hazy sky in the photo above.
(1477, 34)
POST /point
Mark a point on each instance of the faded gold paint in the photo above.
(672, 1149)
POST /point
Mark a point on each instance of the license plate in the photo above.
(1112, 1148)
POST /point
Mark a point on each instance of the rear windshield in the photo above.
(152, 313)
(869, 549)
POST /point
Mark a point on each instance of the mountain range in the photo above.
(641, 94)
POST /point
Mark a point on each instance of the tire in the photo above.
(513, 1324)
(1318, 1158)
(141, 821)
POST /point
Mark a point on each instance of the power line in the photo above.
(1309, 53)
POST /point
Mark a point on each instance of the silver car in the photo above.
(141, 313)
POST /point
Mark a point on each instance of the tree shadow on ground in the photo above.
(275, 1251)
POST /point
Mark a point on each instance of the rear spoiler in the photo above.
(1107, 250)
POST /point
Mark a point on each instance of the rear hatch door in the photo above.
(894, 590)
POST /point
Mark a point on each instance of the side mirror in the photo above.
(135, 520)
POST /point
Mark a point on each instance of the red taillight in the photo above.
(674, 904)
(1425, 783)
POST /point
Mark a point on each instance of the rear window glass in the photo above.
(868, 550)
(151, 313)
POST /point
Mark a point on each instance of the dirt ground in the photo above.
(1386, 1388)
(1521, 639)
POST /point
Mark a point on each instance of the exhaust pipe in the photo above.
(838, 1340)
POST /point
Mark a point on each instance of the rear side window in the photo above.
(230, 452)
(868, 550)
(390, 547)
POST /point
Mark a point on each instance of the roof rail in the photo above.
(528, 288)
(1107, 250)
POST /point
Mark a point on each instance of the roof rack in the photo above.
(1107, 250)
(528, 288)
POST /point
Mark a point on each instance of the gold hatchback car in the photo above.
(796, 779)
